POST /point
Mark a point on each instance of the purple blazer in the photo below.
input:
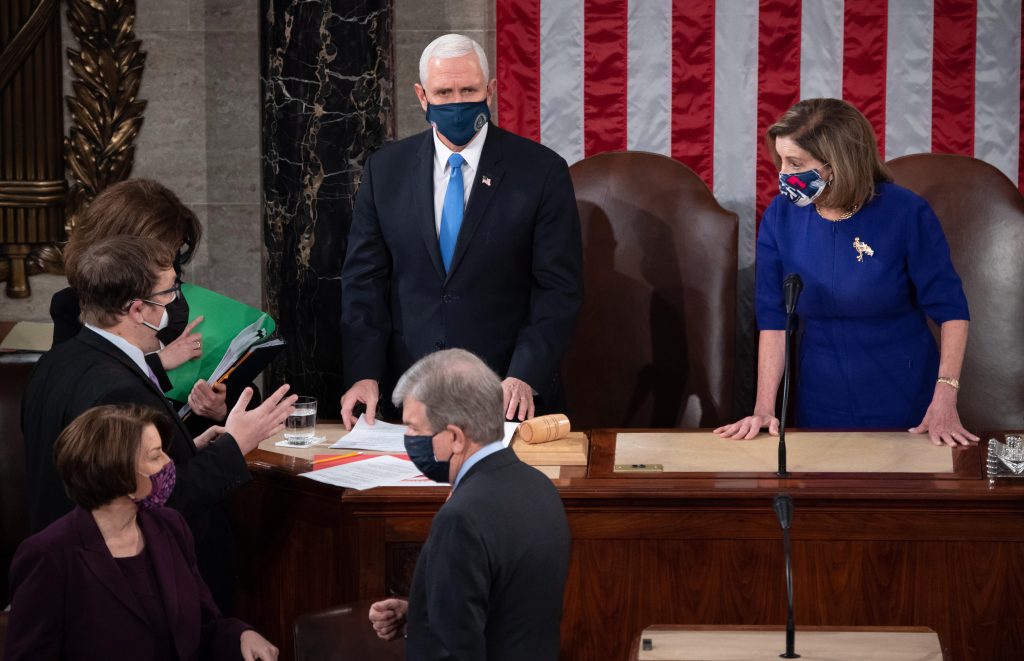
(70, 600)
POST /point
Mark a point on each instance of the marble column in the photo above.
(327, 88)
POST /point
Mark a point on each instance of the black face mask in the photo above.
(177, 319)
(421, 451)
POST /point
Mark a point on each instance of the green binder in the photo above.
(224, 319)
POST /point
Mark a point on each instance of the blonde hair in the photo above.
(834, 132)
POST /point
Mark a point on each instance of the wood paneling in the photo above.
(901, 551)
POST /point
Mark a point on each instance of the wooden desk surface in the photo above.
(751, 643)
(944, 551)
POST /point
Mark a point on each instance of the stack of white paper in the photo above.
(366, 473)
(386, 437)
(379, 437)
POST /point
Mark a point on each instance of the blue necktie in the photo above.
(451, 212)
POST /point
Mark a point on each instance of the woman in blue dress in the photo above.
(875, 266)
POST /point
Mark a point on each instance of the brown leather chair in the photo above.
(13, 497)
(343, 634)
(982, 214)
(655, 341)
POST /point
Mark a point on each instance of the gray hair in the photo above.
(452, 45)
(456, 388)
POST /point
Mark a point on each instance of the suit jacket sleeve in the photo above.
(557, 283)
(457, 590)
(36, 625)
(221, 636)
(365, 280)
(204, 477)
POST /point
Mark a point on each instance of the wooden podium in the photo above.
(896, 545)
(751, 643)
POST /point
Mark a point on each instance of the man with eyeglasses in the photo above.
(124, 285)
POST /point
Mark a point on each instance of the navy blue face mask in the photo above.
(421, 451)
(459, 122)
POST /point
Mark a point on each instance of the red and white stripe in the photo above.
(700, 80)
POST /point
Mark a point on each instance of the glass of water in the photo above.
(300, 426)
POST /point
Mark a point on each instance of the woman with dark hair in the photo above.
(875, 266)
(147, 209)
(116, 577)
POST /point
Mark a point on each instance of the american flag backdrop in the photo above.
(701, 80)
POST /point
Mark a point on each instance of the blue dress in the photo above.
(867, 358)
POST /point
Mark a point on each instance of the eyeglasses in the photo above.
(175, 290)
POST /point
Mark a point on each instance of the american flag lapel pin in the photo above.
(485, 180)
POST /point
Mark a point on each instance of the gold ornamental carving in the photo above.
(32, 184)
(106, 112)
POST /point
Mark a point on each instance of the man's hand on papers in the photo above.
(388, 617)
(188, 346)
(364, 391)
(250, 428)
(518, 399)
(209, 401)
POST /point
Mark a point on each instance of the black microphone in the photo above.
(783, 506)
(791, 286)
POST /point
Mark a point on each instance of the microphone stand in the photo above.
(792, 285)
(783, 506)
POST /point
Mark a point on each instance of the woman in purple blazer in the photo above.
(116, 577)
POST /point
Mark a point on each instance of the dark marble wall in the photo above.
(327, 83)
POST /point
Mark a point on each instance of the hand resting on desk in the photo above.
(749, 427)
(364, 391)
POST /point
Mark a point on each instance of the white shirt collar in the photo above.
(129, 349)
(471, 152)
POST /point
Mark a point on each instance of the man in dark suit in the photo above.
(124, 283)
(488, 583)
(463, 236)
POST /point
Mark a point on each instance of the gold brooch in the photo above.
(862, 249)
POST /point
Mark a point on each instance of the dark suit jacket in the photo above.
(71, 601)
(515, 285)
(489, 581)
(65, 311)
(88, 371)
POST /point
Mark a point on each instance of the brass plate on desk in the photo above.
(639, 468)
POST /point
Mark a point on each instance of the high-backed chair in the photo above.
(343, 634)
(982, 214)
(13, 494)
(655, 341)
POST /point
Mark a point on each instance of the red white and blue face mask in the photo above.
(802, 188)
